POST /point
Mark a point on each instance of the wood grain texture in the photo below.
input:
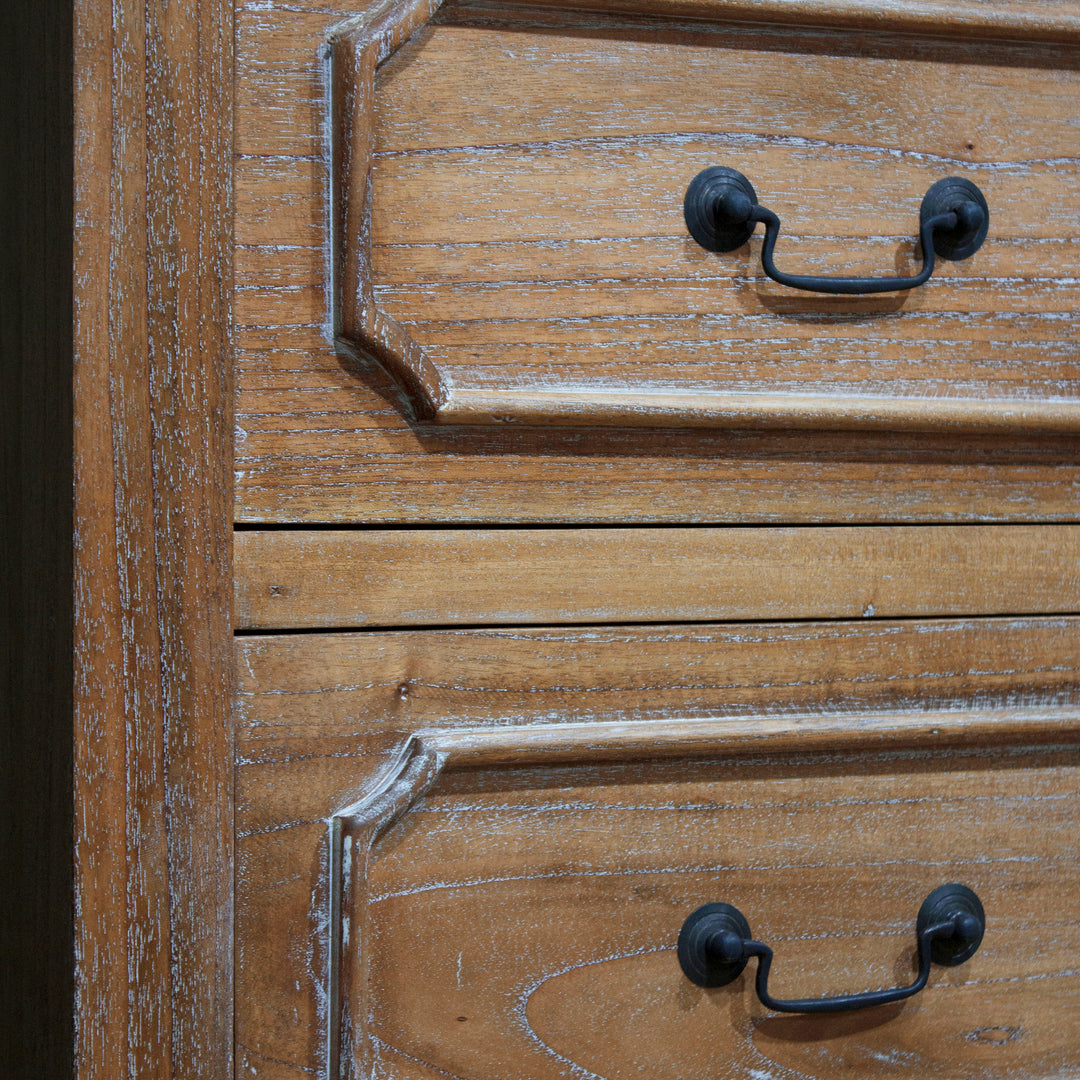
(326, 438)
(308, 698)
(535, 912)
(153, 781)
(1023, 20)
(297, 578)
(531, 143)
(1035, 20)
(356, 52)
(319, 443)
(324, 719)
(689, 739)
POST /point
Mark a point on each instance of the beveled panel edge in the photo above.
(351, 832)
(736, 410)
(792, 733)
(426, 755)
(360, 329)
(357, 47)
(1019, 21)
(414, 770)
(429, 752)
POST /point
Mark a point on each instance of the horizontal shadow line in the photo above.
(548, 526)
(634, 623)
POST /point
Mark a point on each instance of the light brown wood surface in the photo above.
(312, 448)
(533, 146)
(324, 438)
(314, 702)
(1036, 20)
(153, 401)
(324, 719)
(530, 915)
(534, 793)
(686, 740)
(342, 578)
(896, 717)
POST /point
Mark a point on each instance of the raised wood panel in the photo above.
(504, 918)
(324, 718)
(296, 578)
(280, 97)
(560, 71)
(534, 142)
(327, 438)
(878, 712)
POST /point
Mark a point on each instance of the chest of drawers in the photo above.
(564, 576)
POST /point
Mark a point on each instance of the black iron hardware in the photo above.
(721, 210)
(715, 944)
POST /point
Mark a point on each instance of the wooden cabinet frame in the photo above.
(153, 512)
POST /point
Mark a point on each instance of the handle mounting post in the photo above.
(715, 945)
(722, 210)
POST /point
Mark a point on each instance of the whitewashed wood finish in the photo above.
(305, 699)
(491, 916)
(358, 48)
(688, 739)
(291, 579)
(1035, 20)
(327, 719)
(308, 696)
(152, 381)
(324, 719)
(533, 142)
(325, 438)
(319, 444)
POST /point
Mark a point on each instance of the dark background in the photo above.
(36, 614)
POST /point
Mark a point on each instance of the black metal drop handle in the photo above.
(721, 211)
(715, 944)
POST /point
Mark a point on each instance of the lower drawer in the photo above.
(519, 919)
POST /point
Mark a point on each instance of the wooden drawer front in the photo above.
(859, 756)
(524, 237)
(512, 242)
(467, 836)
(521, 921)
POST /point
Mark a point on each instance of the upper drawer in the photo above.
(510, 238)
(525, 233)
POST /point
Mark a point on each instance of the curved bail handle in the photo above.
(715, 944)
(721, 211)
